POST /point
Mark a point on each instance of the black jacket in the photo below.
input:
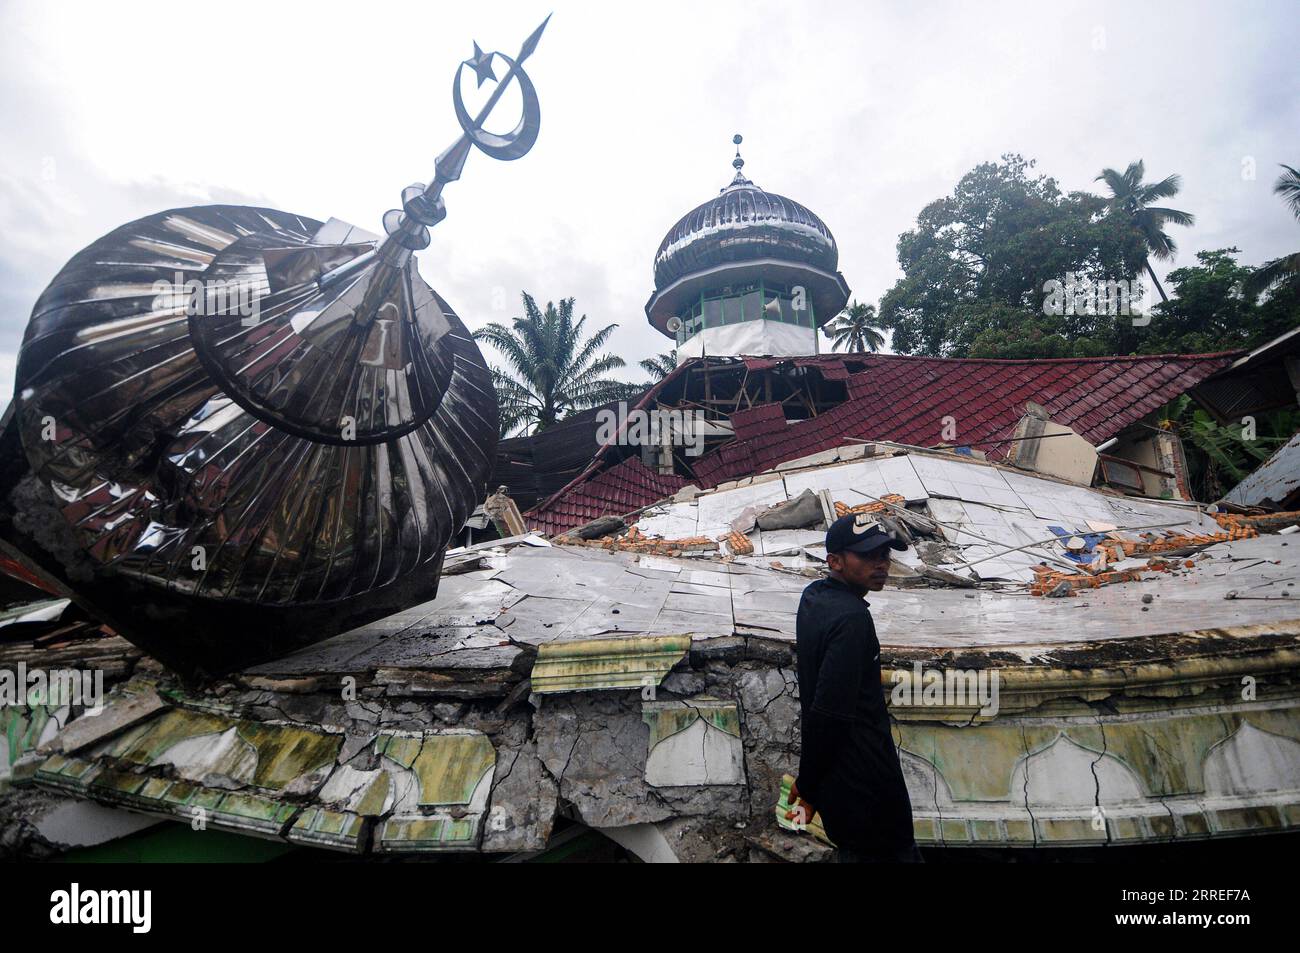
(848, 769)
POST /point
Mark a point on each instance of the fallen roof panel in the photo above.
(1273, 482)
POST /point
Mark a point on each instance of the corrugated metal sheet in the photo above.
(1273, 481)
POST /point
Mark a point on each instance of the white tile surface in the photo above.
(717, 510)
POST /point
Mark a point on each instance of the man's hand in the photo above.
(802, 812)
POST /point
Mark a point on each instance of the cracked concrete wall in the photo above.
(596, 746)
(524, 802)
(1151, 767)
(585, 753)
(1119, 771)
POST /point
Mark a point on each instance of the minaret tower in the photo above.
(747, 272)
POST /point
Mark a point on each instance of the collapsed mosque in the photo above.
(623, 668)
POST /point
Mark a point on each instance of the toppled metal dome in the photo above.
(168, 477)
(238, 430)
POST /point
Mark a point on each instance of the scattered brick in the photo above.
(843, 509)
(740, 544)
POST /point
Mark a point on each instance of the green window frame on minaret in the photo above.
(715, 308)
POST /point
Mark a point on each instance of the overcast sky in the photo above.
(864, 112)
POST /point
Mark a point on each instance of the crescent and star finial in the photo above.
(481, 63)
(422, 206)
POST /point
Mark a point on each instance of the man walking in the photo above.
(848, 769)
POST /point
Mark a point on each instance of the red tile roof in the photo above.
(901, 399)
(622, 488)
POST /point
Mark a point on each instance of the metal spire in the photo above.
(738, 164)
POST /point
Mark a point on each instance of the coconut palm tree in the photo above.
(856, 328)
(553, 368)
(1272, 272)
(1131, 196)
(1288, 186)
(660, 366)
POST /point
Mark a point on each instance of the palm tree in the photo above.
(856, 328)
(554, 369)
(1271, 272)
(1131, 196)
(1288, 186)
(660, 366)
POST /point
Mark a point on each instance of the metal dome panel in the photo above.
(744, 223)
(314, 358)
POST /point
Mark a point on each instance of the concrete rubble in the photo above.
(643, 684)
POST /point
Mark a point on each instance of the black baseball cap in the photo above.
(860, 533)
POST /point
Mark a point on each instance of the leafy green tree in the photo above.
(1286, 268)
(554, 369)
(979, 263)
(1280, 311)
(855, 328)
(1130, 200)
(1008, 332)
(1211, 311)
(660, 365)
